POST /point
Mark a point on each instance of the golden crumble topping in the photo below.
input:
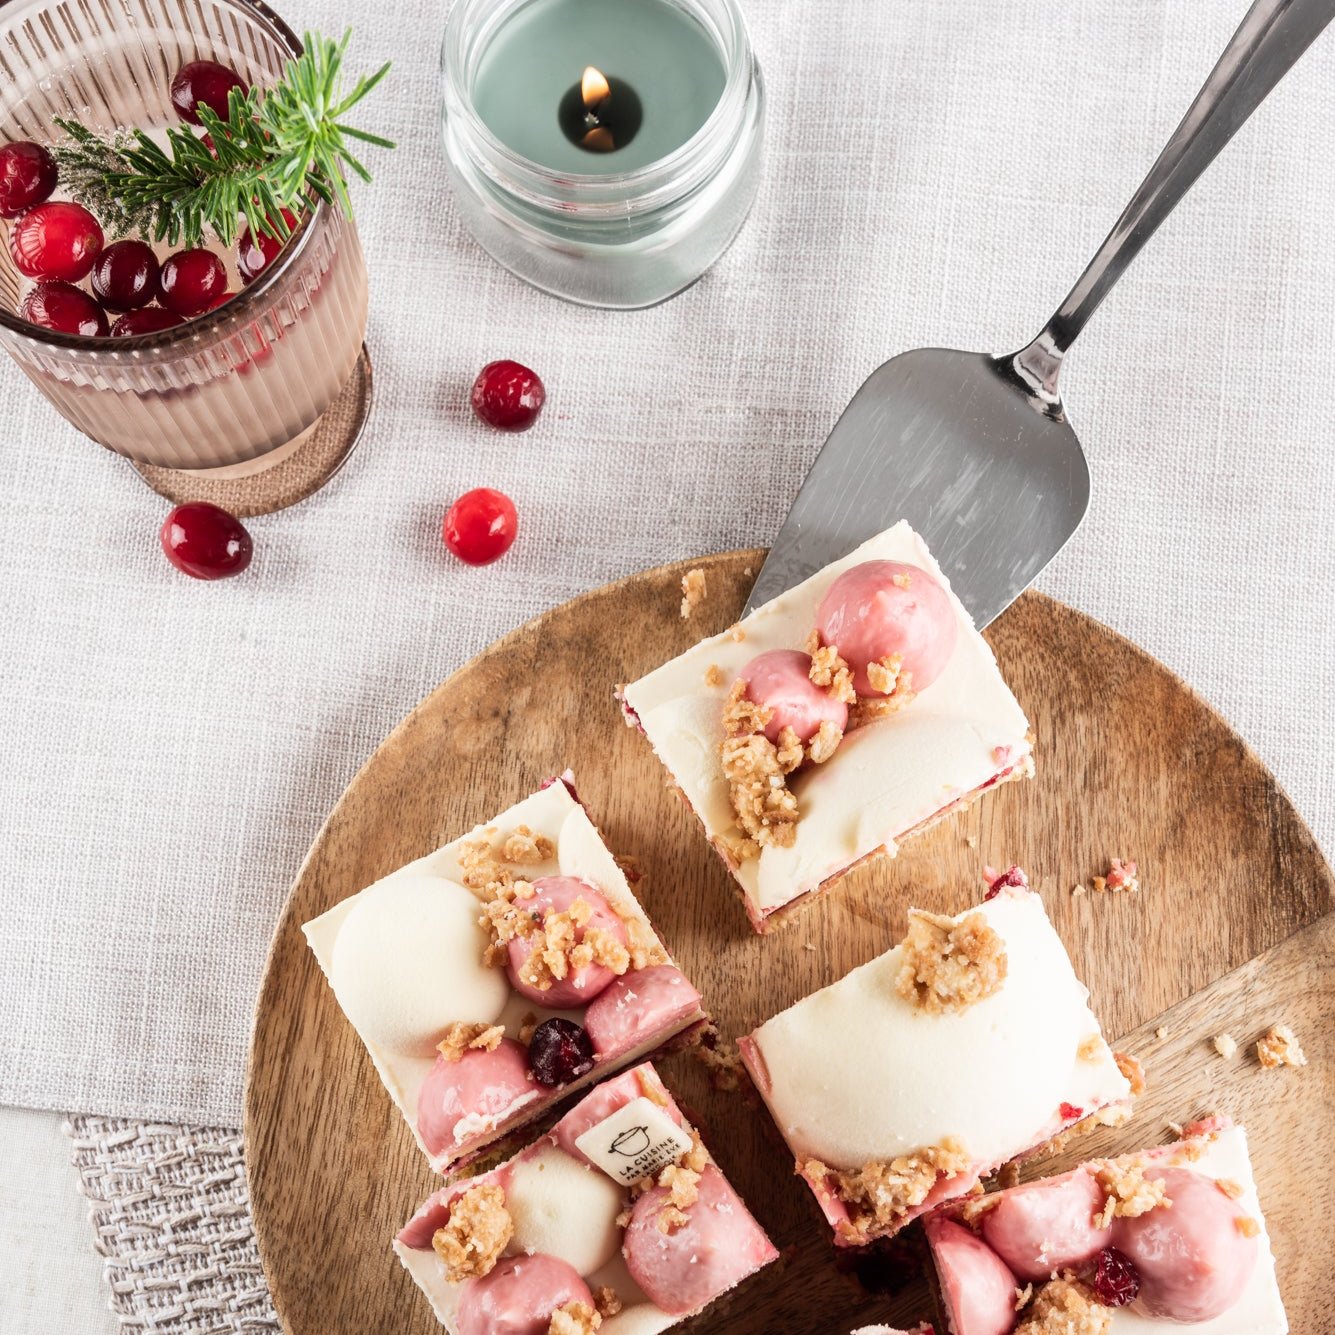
(477, 1232)
(1023, 1297)
(644, 947)
(903, 580)
(1225, 1045)
(575, 1318)
(829, 671)
(1064, 1306)
(480, 869)
(682, 1181)
(714, 675)
(460, 1038)
(1091, 1048)
(558, 951)
(1134, 1072)
(736, 634)
(562, 940)
(826, 741)
(882, 1193)
(692, 591)
(651, 1089)
(526, 849)
(1279, 1046)
(1229, 1187)
(950, 965)
(721, 1059)
(977, 1205)
(1247, 1226)
(1008, 1175)
(757, 789)
(1129, 1193)
(527, 1024)
(606, 1301)
(887, 676)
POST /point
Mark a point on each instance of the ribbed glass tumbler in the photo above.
(245, 380)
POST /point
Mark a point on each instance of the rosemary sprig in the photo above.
(277, 148)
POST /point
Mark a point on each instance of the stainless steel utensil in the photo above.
(976, 450)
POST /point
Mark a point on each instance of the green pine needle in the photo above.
(276, 149)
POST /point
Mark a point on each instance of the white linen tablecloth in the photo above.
(938, 173)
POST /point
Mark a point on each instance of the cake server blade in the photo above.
(976, 451)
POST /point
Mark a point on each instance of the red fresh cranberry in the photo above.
(1011, 879)
(125, 276)
(1116, 1281)
(508, 396)
(255, 251)
(480, 526)
(27, 176)
(62, 306)
(221, 299)
(147, 321)
(59, 240)
(205, 542)
(1069, 1112)
(192, 281)
(204, 81)
(559, 1052)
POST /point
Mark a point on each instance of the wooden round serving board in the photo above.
(1231, 932)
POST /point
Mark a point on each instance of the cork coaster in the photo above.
(301, 467)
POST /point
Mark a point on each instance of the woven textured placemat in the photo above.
(170, 1210)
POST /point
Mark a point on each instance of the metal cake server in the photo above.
(975, 451)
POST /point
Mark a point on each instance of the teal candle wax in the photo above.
(540, 53)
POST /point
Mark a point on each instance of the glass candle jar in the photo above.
(605, 229)
(237, 389)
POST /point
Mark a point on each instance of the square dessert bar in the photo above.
(834, 722)
(498, 974)
(616, 1220)
(966, 1046)
(1165, 1240)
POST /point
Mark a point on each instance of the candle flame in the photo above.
(594, 86)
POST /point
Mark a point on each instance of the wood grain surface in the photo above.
(1229, 933)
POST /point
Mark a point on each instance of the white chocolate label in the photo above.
(635, 1141)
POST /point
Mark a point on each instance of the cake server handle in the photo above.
(1265, 47)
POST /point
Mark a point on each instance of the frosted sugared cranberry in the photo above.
(125, 276)
(480, 526)
(1115, 1282)
(56, 240)
(64, 307)
(481, 1084)
(147, 321)
(518, 1296)
(255, 251)
(205, 542)
(780, 681)
(881, 608)
(556, 894)
(204, 81)
(192, 281)
(508, 396)
(27, 177)
(559, 1052)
